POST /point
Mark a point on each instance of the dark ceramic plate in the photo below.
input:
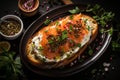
(98, 46)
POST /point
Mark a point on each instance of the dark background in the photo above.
(111, 57)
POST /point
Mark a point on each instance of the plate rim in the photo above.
(89, 63)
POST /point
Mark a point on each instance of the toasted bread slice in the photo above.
(62, 41)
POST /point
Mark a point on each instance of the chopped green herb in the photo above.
(79, 45)
(85, 21)
(110, 31)
(94, 9)
(57, 57)
(68, 55)
(71, 27)
(57, 29)
(102, 23)
(88, 27)
(71, 41)
(71, 17)
(41, 48)
(58, 38)
(74, 11)
(64, 35)
(57, 23)
(100, 15)
(47, 21)
(50, 41)
(43, 59)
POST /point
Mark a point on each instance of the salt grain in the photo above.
(47, 8)
(98, 48)
(106, 69)
(113, 68)
(47, 17)
(100, 70)
(75, 61)
(106, 64)
(100, 43)
(111, 58)
(83, 56)
(71, 64)
(103, 73)
(44, 2)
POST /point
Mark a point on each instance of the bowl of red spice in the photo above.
(28, 7)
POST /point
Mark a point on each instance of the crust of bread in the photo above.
(50, 65)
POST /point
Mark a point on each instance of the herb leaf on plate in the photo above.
(47, 21)
(74, 11)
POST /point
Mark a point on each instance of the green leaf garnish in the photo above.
(64, 34)
(43, 59)
(88, 27)
(110, 31)
(71, 17)
(57, 23)
(74, 11)
(71, 27)
(47, 21)
(79, 45)
(100, 15)
(50, 41)
(85, 21)
(41, 48)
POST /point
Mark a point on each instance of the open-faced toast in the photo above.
(62, 41)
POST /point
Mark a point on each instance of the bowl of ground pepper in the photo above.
(11, 27)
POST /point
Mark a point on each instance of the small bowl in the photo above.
(28, 7)
(4, 45)
(11, 27)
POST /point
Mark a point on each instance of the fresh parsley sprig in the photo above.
(110, 31)
(103, 18)
(100, 15)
